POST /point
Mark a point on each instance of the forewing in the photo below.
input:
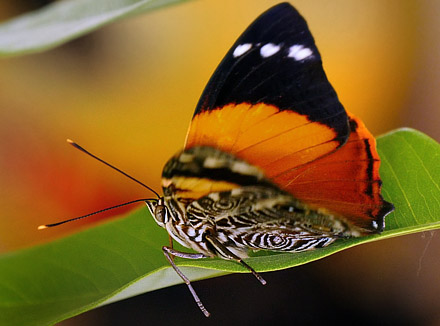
(269, 102)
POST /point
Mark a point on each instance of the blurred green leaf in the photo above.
(65, 20)
(49, 283)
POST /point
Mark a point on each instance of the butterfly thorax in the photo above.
(207, 191)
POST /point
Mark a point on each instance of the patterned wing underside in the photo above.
(264, 217)
(268, 229)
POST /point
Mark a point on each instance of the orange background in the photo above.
(127, 93)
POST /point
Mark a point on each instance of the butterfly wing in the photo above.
(269, 101)
(346, 182)
(270, 104)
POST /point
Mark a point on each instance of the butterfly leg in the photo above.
(170, 238)
(225, 252)
(169, 253)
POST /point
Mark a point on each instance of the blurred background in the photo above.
(127, 93)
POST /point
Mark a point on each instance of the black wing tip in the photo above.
(281, 6)
(281, 9)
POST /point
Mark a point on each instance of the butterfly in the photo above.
(272, 161)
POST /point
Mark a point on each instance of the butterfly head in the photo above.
(159, 211)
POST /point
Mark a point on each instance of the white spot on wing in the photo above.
(299, 52)
(374, 223)
(213, 162)
(191, 232)
(245, 168)
(269, 49)
(214, 196)
(236, 192)
(186, 158)
(241, 49)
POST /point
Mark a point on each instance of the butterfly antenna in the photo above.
(71, 142)
(45, 226)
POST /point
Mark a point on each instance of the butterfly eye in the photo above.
(161, 214)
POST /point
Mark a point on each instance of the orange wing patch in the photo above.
(302, 157)
(263, 135)
(346, 182)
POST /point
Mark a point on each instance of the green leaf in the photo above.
(65, 20)
(49, 283)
